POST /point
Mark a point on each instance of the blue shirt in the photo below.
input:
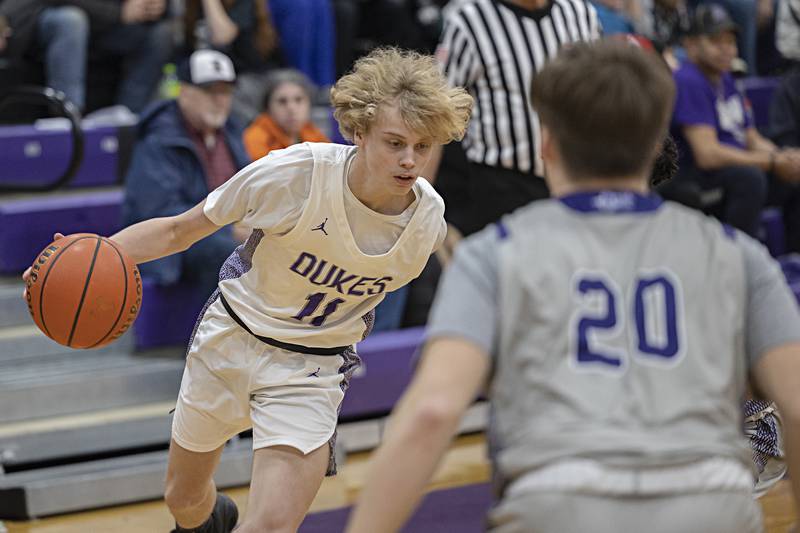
(612, 21)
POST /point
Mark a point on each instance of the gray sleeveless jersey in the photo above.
(621, 329)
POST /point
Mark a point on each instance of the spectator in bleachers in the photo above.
(784, 112)
(612, 17)
(670, 24)
(624, 16)
(784, 130)
(306, 32)
(18, 26)
(712, 123)
(286, 119)
(745, 14)
(136, 31)
(410, 24)
(769, 60)
(186, 149)
(787, 29)
(243, 30)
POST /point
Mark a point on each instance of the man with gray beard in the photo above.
(185, 149)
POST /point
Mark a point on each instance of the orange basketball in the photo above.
(83, 292)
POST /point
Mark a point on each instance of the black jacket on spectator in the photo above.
(21, 16)
(784, 112)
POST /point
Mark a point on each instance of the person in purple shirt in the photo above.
(721, 149)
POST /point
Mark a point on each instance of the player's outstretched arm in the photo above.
(159, 237)
(777, 377)
(424, 421)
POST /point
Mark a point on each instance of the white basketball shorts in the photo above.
(233, 382)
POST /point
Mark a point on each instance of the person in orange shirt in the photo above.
(286, 117)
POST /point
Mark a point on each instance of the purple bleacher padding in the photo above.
(461, 510)
(167, 316)
(39, 156)
(773, 234)
(28, 225)
(795, 290)
(386, 371)
(790, 264)
(100, 159)
(759, 91)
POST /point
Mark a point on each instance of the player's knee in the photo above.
(181, 497)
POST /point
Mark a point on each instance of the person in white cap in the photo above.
(185, 149)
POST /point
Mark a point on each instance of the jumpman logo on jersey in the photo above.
(321, 227)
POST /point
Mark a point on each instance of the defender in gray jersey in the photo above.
(616, 333)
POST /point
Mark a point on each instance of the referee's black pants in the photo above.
(476, 195)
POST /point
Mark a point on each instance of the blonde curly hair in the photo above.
(411, 81)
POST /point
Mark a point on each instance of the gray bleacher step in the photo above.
(82, 441)
(60, 390)
(13, 311)
(85, 435)
(53, 366)
(115, 481)
(21, 343)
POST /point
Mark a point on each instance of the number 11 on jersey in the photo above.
(314, 301)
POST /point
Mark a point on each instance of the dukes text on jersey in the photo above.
(324, 273)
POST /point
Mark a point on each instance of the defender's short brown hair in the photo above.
(607, 105)
(413, 82)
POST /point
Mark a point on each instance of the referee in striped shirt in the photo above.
(494, 48)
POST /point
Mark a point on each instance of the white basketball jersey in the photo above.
(312, 285)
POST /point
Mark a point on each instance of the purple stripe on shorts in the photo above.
(211, 300)
(351, 363)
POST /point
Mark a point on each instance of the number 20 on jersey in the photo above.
(652, 304)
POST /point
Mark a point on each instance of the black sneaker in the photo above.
(222, 520)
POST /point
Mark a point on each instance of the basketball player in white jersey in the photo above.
(616, 334)
(334, 228)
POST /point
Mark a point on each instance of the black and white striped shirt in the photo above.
(493, 49)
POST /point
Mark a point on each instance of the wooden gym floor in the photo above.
(464, 464)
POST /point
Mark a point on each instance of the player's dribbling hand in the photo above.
(27, 273)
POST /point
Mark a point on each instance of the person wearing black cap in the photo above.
(712, 123)
(186, 148)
